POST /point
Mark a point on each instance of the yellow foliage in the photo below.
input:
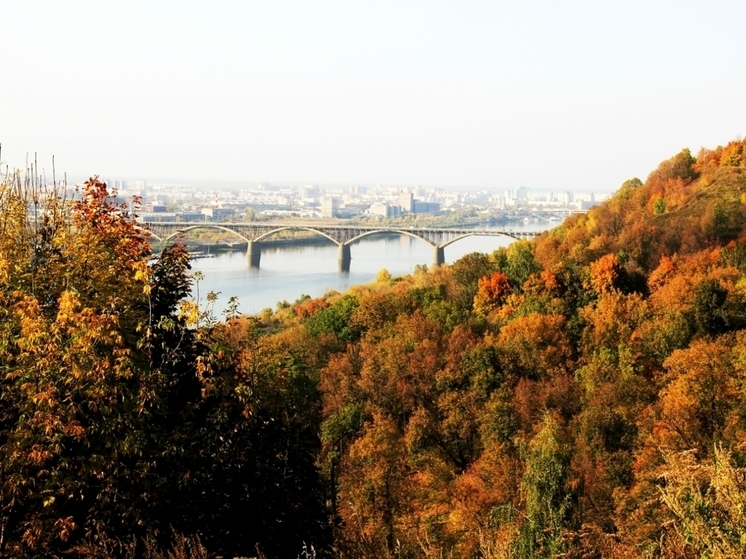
(189, 312)
(708, 501)
(67, 305)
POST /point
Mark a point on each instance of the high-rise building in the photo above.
(308, 191)
(406, 200)
(329, 207)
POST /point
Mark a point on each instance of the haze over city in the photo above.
(562, 96)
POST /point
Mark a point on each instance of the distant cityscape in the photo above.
(179, 203)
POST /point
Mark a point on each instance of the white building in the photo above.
(329, 207)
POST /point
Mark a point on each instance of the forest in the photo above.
(581, 395)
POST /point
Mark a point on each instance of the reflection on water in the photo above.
(287, 272)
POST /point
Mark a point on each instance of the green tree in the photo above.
(466, 272)
(659, 206)
(521, 263)
(547, 501)
(628, 187)
(335, 320)
(251, 479)
(708, 310)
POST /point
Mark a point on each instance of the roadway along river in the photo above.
(287, 272)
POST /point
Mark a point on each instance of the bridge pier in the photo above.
(439, 256)
(253, 254)
(344, 258)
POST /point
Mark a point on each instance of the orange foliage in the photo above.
(310, 307)
(605, 273)
(550, 280)
(492, 292)
(374, 490)
(662, 273)
(702, 393)
(490, 484)
(535, 345)
(613, 321)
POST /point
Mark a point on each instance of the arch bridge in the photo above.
(341, 235)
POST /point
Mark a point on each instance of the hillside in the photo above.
(579, 396)
(685, 205)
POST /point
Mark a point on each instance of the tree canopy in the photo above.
(580, 395)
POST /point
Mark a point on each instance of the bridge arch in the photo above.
(147, 232)
(477, 234)
(297, 228)
(390, 231)
(199, 226)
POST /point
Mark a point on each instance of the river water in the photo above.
(287, 272)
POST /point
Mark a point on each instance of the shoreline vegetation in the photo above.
(579, 395)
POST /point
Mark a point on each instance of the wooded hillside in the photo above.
(581, 395)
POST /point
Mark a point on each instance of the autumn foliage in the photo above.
(581, 395)
(121, 425)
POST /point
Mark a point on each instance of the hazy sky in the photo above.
(544, 93)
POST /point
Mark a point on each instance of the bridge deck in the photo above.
(263, 229)
(343, 235)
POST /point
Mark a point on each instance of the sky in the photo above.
(549, 94)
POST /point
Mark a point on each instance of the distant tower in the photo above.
(406, 201)
(329, 207)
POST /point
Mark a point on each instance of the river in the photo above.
(287, 272)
